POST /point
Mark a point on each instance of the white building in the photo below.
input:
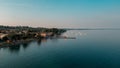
(2, 35)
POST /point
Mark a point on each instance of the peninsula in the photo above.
(14, 34)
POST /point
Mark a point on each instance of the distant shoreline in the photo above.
(94, 29)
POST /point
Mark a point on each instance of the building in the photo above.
(2, 36)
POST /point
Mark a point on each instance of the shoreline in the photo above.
(10, 35)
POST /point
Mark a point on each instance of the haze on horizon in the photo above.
(61, 13)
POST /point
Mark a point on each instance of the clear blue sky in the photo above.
(61, 13)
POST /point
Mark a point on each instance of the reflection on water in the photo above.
(25, 45)
(90, 49)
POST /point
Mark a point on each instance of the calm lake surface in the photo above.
(90, 49)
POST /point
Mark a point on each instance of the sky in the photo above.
(61, 13)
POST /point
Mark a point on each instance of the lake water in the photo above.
(90, 49)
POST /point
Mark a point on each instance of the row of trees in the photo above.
(31, 29)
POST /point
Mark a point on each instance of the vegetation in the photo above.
(15, 33)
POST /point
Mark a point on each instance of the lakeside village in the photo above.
(10, 35)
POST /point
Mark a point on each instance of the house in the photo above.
(47, 34)
(3, 36)
(43, 34)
